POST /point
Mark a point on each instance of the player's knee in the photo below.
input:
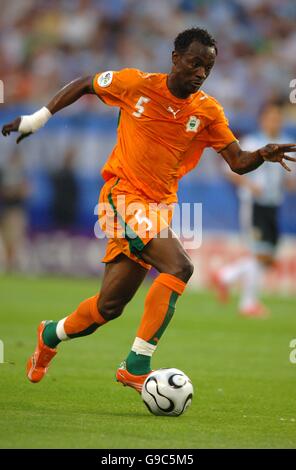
(183, 269)
(110, 309)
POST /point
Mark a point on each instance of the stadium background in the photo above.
(45, 44)
(243, 369)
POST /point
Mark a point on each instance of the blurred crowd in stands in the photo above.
(53, 180)
(47, 43)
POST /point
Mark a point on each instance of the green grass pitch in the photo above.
(244, 382)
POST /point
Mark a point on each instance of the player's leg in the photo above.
(168, 256)
(248, 271)
(250, 287)
(250, 303)
(233, 272)
(236, 271)
(121, 280)
(142, 227)
(265, 232)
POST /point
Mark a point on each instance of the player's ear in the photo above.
(175, 57)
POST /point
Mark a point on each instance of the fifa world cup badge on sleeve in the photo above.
(105, 79)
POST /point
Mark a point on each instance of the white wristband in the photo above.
(33, 122)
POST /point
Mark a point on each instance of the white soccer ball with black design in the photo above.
(167, 392)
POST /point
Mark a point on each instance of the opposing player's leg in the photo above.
(122, 279)
(250, 304)
(168, 256)
(261, 234)
(249, 271)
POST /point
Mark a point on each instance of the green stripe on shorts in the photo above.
(135, 242)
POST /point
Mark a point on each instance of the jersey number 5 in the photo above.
(139, 106)
(141, 219)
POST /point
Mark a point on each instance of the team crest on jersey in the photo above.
(105, 79)
(192, 124)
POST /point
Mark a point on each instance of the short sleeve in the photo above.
(191, 158)
(217, 134)
(113, 87)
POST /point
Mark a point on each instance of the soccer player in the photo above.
(261, 194)
(166, 121)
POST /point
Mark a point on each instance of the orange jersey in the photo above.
(160, 137)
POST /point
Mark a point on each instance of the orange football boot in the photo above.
(130, 380)
(37, 364)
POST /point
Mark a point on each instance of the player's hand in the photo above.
(277, 153)
(14, 127)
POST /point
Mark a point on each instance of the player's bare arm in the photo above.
(70, 93)
(242, 161)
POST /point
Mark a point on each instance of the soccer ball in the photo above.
(167, 392)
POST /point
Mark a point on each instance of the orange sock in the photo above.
(158, 311)
(84, 320)
(159, 307)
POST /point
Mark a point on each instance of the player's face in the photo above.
(191, 68)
